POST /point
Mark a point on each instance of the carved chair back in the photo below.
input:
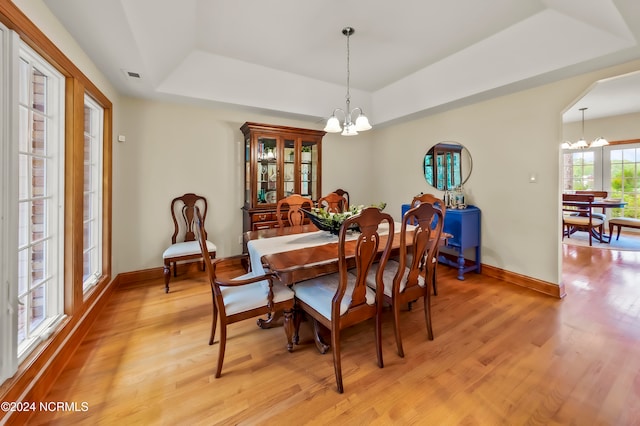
(344, 194)
(333, 203)
(183, 216)
(294, 215)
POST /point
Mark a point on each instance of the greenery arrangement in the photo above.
(332, 222)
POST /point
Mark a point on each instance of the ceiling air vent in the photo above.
(131, 74)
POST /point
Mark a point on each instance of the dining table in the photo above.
(600, 203)
(295, 253)
(298, 253)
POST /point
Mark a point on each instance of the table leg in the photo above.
(271, 321)
(461, 266)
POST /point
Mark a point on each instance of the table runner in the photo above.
(263, 246)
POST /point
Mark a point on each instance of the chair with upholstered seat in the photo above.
(408, 279)
(333, 203)
(342, 299)
(431, 199)
(184, 246)
(239, 297)
(294, 215)
(577, 215)
(597, 194)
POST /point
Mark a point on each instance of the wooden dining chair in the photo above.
(236, 298)
(407, 279)
(341, 299)
(184, 246)
(344, 194)
(577, 215)
(596, 194)
(432, 199)
(291, 208)
(333, 203)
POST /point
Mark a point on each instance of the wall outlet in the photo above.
(240, 239)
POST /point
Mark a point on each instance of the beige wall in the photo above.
(509, 137)
(621, 127)
(172, 148)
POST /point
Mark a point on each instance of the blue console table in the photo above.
(464, 225)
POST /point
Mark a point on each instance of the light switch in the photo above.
(533, 178)
(121, 138)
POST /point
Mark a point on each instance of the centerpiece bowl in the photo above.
(332, 222)
(326, 221)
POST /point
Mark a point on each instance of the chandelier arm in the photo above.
(336, 110)
(358, 109)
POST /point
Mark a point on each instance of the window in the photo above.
(40, 198)
(614, 168)
(8, 207)
(579, 170)
(623, 170)
(55, 202)
(92, 194)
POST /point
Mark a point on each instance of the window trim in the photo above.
(80, 309)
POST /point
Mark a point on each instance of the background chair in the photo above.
(597, 194)
(345, 194)
(236, 298)
(333, 203)
(433, 200)
(294, 216)
(408, 279)
(340, 300)
(579, 217)
(183, 241)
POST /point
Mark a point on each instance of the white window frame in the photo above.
(598, 164)
(8, 203)
(54, 298)
(606, 165)
(93, 192)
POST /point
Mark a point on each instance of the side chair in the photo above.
(236, 298)
(342, 299)
(577, 215)
(432, 199)
(408, 279)
(184, 246)
(294, 215)
(344, 194)
(333, 203)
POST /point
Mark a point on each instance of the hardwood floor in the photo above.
(501, 355)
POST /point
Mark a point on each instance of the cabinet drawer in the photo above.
(264, 225)
(262, 217)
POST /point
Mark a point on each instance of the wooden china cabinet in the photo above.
(279, 161)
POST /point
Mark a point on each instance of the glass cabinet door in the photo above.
(309, 170)
(289, 163)
(247, 170)
(267, 171)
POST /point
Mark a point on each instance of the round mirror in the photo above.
(447, 165)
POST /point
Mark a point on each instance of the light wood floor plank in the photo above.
(501, 355)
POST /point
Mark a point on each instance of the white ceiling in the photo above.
(408, 57)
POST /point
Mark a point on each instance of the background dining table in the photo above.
(604, 204)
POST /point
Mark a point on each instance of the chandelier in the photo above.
(597, 142)
(349, 128)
